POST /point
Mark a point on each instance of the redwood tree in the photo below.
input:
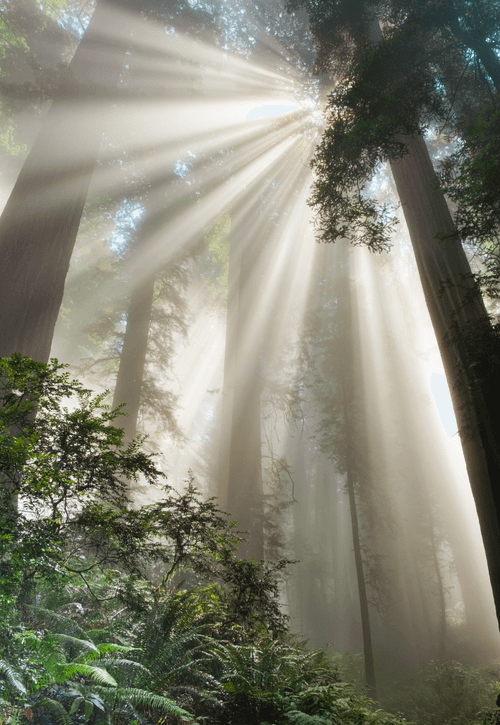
(374, 116)
(40, 221)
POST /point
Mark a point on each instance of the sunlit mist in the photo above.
(265, 349)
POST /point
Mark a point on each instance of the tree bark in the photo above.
(133, 357)
(363, 599)
(458, 314)
(352, 435)
(245, 494)
(457, 311)
(40, 221)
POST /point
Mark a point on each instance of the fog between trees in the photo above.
(166, 248)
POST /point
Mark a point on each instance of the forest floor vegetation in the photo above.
(116, 615)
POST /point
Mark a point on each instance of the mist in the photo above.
(161, 235)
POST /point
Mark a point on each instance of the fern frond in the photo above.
(60, 715)
(96, 673)
(295, 717)
(12, 678)
(142, 698)
(109, 647)
(57, 617)
(83, 643)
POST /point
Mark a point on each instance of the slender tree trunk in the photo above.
(347, 386)
(363, 599)
(245, 495)
(40, 222)
(441, 638)
(133, 357)
(229, 369)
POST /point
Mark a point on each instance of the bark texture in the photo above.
(467, 343)
(459, 317)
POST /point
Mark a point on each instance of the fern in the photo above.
(95, 673)
(57, 618)
(146, 700)
(60, 715)
(296, 717)
(12, 678)
(84, 644)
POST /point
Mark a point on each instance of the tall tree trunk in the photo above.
(347, 385)
(457, 311)
(441, 638)
(458, 314)
(245, 495)
(40, 221)
(133, 356)
(363, 599)
(233, 295)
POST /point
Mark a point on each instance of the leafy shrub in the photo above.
(449, 693)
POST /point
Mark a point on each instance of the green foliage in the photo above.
(58, 462)
(68, 680)
(218, 245)
(9, 144)
(279, 681)
(94, 628)
(449, 693)
(386, 96)
(70, 471)
(471, 178)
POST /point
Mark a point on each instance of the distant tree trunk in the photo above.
(229, 370)
(40, 222)
(347, 385)
(133, 356)
(441, 638)
(358, 558)
(245, 495)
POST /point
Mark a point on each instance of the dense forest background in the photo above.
(261, 239)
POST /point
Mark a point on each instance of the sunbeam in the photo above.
(187, 231)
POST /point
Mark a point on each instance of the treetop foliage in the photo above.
(433, 69)
(385, 97)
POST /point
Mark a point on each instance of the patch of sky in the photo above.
(267, 111)
(441, 395)
(127, 220)
(75, 23)
(182, 167)
(440, 87)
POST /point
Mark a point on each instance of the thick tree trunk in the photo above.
(458, 317)
(40, 222)
(457, 313)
